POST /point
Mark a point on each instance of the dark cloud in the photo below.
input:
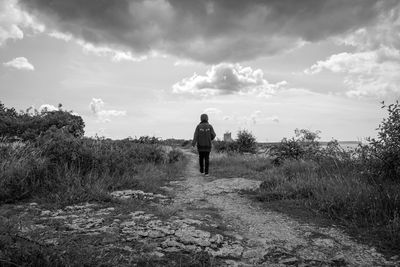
(207, 31)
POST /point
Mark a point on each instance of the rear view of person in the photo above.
(203, 136)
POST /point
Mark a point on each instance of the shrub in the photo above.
(303, 146)
(246, 142)
(223, 146)
(28, 126)
(385, 149)
(175, 155)
(146, 140)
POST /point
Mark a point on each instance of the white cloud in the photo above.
(213, 111)
(47, 107)
(185, 63)
(97, 108)
(257, 117)
(61, 36)
(13, 21)
(20, 63)
(373, 68)
(226, 78)
(385, 32)
(275, 119)
(368, 73)
(115, 54)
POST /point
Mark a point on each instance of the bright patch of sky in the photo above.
(151, 67)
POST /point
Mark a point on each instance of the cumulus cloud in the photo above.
(13, 21)
(20, 63)
(369, 73)
(207, 31)
(374, 66)
(47, 107)
(225, 79)
(372, 37)
(97, 108)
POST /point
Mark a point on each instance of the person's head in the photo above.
(204, 118)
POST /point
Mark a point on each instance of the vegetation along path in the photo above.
(201, 221)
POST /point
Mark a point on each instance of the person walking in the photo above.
(203, 135)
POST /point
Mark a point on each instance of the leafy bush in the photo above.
(175, 155)
(245, 143)
(146, 140)
(28, 126)
(304, 146)
(385, 149)
(223, 146)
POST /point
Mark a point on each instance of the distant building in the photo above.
(228, 137)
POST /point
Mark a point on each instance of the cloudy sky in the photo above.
(151, 67)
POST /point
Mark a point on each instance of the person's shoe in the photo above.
(206, 175)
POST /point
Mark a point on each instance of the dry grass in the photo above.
(69, 170)
(339, 192)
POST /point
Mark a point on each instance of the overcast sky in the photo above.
(151, 67)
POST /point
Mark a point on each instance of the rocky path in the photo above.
(204, 219)
(254, 236)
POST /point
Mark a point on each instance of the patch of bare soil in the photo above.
(199, 221)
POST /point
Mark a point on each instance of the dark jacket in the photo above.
(203, 136)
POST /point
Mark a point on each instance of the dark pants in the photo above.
(204, 160)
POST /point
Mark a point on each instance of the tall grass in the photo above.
(65, 169)
(231, 165)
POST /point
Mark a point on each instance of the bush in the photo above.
(246, 142)
(303, 146)
(28, 126)
(384, 151)
(175, 155)
(223, 146)
(146, 140)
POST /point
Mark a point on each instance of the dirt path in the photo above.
(261, 237)
(199, 217)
